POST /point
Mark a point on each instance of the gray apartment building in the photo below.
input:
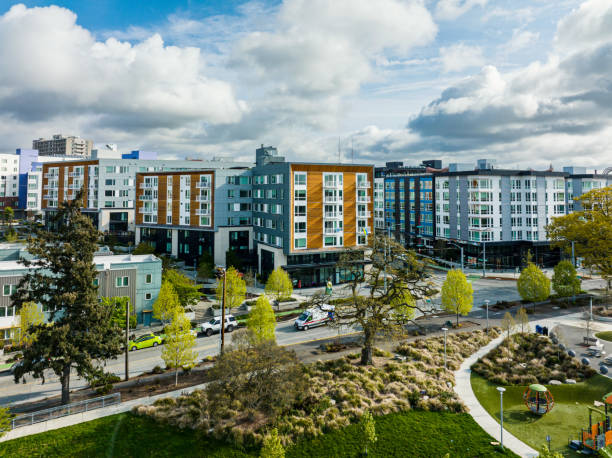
(58, 145)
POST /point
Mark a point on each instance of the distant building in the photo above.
(59, 145)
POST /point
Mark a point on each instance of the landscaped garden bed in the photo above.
(336, 393)
(529, 358)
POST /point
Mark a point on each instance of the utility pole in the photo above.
(127, 338)
(484, 259)
(223, 312)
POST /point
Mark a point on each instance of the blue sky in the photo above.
(396, 79)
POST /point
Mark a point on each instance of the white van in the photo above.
(314, 317)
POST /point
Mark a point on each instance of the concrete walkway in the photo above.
(463, 388)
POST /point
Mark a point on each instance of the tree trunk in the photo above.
(65, 381)
(457, 319)
(366, 351)
(176, 377)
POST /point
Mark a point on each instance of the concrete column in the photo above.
(174, 253)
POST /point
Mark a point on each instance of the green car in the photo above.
(148, 340)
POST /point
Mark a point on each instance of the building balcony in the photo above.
(364, 199)
(202, 198)
(364, 184)
(332, 231)
(333, 215)
(75, 186)
(332, 185)
(367, 228)
(201, 212)
(145, 197)
(332, 199)
(75, 174)
(51, 175)
(146, 186)
(148, 210)
(203, 185)
(365, 214)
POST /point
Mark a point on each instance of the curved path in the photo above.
(463, 388)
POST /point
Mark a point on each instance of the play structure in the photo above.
(599, 435)
(538, 399)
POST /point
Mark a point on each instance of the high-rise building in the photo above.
(59, 145)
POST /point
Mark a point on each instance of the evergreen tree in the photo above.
(457, 293)
(187, 290)
(30, 315)
(279, 284)
(60, 278)
(565, 280)
(261, 322)
(167, 303)
(235, 289)
(272, 446)
(178, 348)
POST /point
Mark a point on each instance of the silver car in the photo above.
(607, 361)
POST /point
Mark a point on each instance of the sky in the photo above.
(525, 83)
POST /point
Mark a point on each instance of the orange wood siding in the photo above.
(162, 199)
(350, 209)
(314, 210)
(138, 202)
(193, 219)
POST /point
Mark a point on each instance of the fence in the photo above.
(63, 411)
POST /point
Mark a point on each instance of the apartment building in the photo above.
(185, 214)
(379, 204)
(305, 214)
(579, 182)
(136, 277)
(58, 145)
(109, 186)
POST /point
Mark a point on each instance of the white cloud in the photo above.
(521, 39)
(51, 66)
(448, 10)
(587, 26)
(459, 57)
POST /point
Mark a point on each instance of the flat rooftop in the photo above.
(104, 262)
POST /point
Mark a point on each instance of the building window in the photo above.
(122, 282)
(96, 282)
(148, 278)
(299, 243)
(7, 290)
(300, 179)
(148, 296)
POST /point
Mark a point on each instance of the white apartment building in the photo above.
(379, 203)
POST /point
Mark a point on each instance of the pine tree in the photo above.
(60, 278)
(167, 303)
(279, 284)
(235, 289)
(178, 348)
(272, 446)
(30, 315)
(262, 321)
(457, 293)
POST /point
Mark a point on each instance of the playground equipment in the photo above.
(598, 435)
(538, 399)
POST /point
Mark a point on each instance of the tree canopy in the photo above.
(379, 309)
(167, 303)
(30, 316)
(118, 306)
(590, 229)
(206, 265)
(60, 278)
(178, 348)
(144, 248)
(261, 322)
(532, 284)
(187, 290)
(235, 289)
(457, 293)
(565, 280)
(279, 284)
(272, 446)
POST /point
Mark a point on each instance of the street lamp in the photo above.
(487, 306)
(501, 390)
(445, 329)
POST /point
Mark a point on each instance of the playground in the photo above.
(564, 422)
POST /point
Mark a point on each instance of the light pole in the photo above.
(222, 272)
(445, 329)
(501, 390)
(487, 306)
(573, 256)
(460, 248)
(484, 259)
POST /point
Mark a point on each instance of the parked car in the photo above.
(148, 340)
(214, 325)
(607, 361)
(313, 317)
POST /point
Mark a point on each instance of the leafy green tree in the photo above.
(385, 307)
(457, 293)
(261, 322)
(10, 235)
(532, 284)
(167, 303)
(279, 284)
(272, 446)
(565, 280)
(186, 289)
(144, 248)
(178, 348)
(235, 289)
(368, 430)
(5, 420)
(545, 453)
(522, 319)
(8, 215)
(60, 277)
(117, 305)
(591, 231)
(30, 316)
(206, 265)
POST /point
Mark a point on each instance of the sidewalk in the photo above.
(463, 388)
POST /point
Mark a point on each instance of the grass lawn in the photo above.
(606, 335)
(563, 422)
(414, 434)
